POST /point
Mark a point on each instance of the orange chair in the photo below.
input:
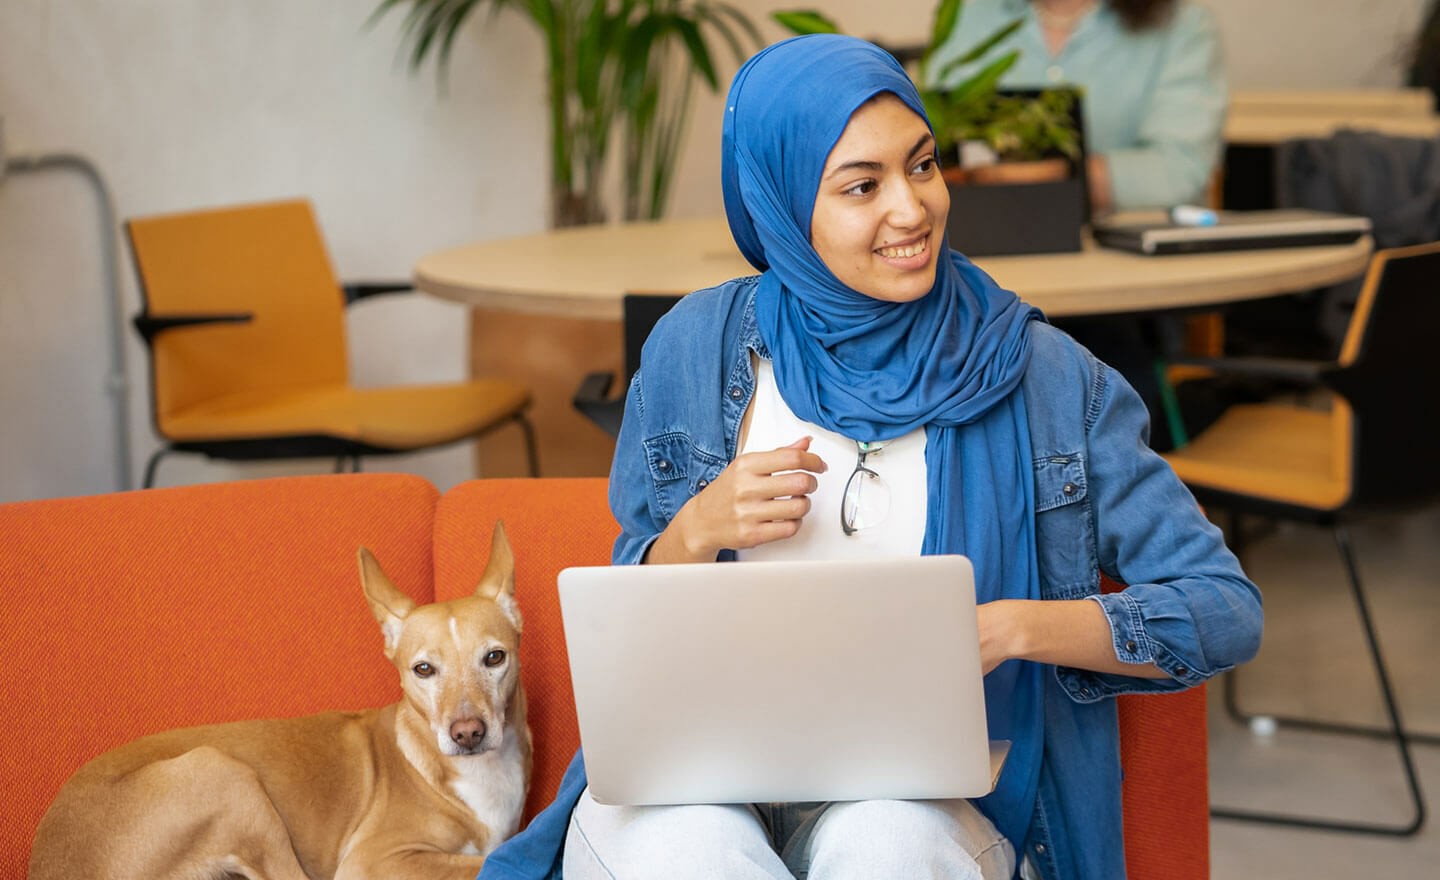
(245, 324)
(558, 523)
(1361, 442)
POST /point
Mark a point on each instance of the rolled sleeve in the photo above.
(1189, 609)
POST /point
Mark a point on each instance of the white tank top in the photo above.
(901, 464)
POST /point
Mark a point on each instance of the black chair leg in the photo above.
(1396, 730)
(152, 466)
(532, 452)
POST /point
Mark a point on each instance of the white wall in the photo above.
(187, 103)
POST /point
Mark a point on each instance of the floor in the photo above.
(1313, 663)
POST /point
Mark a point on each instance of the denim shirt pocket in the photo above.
(678, 469)
(1064, 535)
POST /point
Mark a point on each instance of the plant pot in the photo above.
(1034, 171)
(1016, 218)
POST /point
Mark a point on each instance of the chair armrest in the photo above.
(593, 401)
(358, 290)
(150, 326)
(1289, 369)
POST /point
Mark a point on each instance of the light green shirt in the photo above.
(1154, 101)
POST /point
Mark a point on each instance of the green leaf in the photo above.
(699, 52)
(805, 21)
(988, 43)
(947, 13)
(990, 74)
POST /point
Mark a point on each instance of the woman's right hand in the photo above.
(760, 497)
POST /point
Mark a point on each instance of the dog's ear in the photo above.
(387, 603)
(498, 581)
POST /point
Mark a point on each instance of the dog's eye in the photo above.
(423, 670)
(495, 658)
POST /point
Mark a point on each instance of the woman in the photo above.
(866, 338)
(1154, 89)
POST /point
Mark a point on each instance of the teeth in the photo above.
(906, 251)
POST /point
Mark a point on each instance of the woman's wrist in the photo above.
(676, 544)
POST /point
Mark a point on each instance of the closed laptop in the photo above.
(752, 682)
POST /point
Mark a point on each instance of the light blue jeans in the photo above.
(864, 840)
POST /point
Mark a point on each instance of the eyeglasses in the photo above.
(867, 499)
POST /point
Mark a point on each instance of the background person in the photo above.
(1154, 87)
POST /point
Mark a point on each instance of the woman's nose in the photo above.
(906, 209)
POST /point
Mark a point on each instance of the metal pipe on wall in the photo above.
(117, 383)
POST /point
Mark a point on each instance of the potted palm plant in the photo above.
(626, 66)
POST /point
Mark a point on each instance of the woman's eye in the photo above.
(422, 670)
(495, 658)
(925, 166)
(864, 187)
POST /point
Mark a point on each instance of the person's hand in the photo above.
(760, 497)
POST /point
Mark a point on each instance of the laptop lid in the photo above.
(1232, 230)
(753, 682)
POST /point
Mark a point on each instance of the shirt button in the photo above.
(1181, 670)
(1069, 488)
(1055, 73)
(702, 484)
(1084, 692)
(736, 393)
(663, 465)
(1040, 848)
(1130, 646)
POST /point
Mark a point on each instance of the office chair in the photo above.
(641, 311)
(244, 321)
(1367, 451)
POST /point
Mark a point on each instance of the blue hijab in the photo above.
(950, 362)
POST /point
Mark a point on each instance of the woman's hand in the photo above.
(760, 497)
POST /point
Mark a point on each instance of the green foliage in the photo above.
(1018, 127)
(626, 64)
(1014, 127)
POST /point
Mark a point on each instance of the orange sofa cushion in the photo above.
(141, 611)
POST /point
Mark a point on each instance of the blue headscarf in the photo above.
(950, 362)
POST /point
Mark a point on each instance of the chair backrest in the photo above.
(1385, 376)
(641, 311)
(264, 260)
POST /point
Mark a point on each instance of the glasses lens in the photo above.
(867, 501)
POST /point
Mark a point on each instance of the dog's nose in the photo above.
(467, 733)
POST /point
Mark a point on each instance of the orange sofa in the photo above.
(140, 611)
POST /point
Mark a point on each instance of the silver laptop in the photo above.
(1231, 231)
(752, 682)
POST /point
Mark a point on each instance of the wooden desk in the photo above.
(1413, 102)
(547, 306)
(1268, 117)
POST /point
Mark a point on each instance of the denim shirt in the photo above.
(1104, 503)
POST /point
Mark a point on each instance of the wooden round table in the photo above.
(548, 306)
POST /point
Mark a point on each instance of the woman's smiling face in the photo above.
(879, 218)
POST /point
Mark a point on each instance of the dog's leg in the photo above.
(201, 814)
(409, 865)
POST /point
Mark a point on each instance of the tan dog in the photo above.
(424, 788)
